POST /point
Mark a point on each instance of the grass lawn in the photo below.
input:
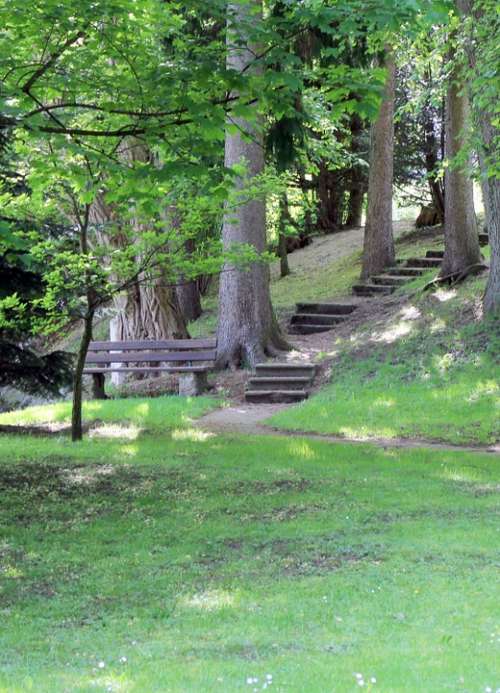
(158, 413)
(429, 371)
(195, 563)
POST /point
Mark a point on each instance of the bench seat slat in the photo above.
(150, 356)
(154, 345)
(139, 369)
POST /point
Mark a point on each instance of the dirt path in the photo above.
(247, 419)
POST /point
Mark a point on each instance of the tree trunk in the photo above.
(282, 244)
(432, 160)
(188, 293)
(378, 248)
(491, 188)
(355, 208)
(150, 311)
(247, 328)
(487, 153)
(76, 411)
(357, 185)
(461, 242)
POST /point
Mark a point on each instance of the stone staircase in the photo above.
(279, 382)
(403, 272)
(310, 318)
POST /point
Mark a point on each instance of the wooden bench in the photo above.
(191, 358)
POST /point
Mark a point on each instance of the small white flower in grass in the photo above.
(269, 677)
(488, 689)
(373, 679)
(101, 665)
(123, 660)
(358, 675)
(249, 680)
(361, 682)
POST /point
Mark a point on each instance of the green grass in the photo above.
(158, 413)
(204, 561)
(309, 284)
(428, 371)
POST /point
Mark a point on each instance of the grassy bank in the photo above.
(428, 370)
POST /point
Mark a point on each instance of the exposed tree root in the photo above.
(456, 277)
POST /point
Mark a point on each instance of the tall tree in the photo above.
(247, 328)
(378, 249)
(483, 51)
(461, 242)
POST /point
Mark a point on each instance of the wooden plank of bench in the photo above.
(153, 345)
(151, 369)
(150, 356)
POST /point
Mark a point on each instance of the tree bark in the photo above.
(378, 248)
(76, 411)
(355, 207)
(149, 309)
(188, 293)
(487, 152)
(461, 242)
(357, 176)
(282, 244)
(247, 328)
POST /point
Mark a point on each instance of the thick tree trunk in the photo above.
(461, 242)
(247, 328)
(378, 248)
(150, 311)
(487, 153)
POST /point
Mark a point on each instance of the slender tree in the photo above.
(247, 328)
(461, 242)
(378, 249)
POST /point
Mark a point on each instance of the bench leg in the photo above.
(98, 391)
(192, 384)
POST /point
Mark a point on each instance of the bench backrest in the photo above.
(180, 350)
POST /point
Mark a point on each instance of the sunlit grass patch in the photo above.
(158, 413)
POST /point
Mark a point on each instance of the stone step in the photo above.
(426, 262)
(317, 319)
(284, 370)
(275, 396)
(372, 289)
(390, 280)
(405, 271)
(435, 253)
(309, 328)
(278, 383)
(483, 239)
(326, 308)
